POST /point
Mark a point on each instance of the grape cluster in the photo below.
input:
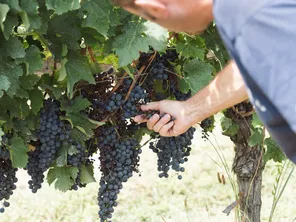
(115, 102)
(77, 183)
(79, 156)
(182, 96)
(137, 96)
(4, 153)
(52, 133)
(172, 152)
(7, 181)
(158, 71)
(118, 162)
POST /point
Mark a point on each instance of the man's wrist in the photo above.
(195, 112)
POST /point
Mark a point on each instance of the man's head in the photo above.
(192, 16)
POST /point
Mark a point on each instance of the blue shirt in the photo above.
(261, 38)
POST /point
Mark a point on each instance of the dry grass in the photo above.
(150, 199)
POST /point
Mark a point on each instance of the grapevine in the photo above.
(70, 87)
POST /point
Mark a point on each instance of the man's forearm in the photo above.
(226, 90)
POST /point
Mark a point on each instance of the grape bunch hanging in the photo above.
(113, 100)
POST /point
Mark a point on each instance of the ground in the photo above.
(197, 197)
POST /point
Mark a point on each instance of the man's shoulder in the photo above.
(232, 15)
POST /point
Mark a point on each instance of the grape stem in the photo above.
(91, 53)
(134, 82)
(181, 77)
(119, 83)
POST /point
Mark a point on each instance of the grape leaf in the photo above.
(12, 48)
(13, 72)
(32, 60)
(156, 36)
(17, 107)
(13, 4)
(61, 7)
(199, 74)
(9, 23)
(4, 84)
(78, 136)
(77, 69)
(137, 37)
(256, 137)
(82, 123)
(61, 159)
(72, 150)
(190, 49)
(36, 97)
(97, 15)
(256, 121)
(4, 9)
(87, 174)
(229, 127)
(273, 151)
(28, 82)
(75, 105)
(63, 177)
(18, 153)
(30, 14)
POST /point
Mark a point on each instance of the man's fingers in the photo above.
(140, 119)
(152, 121)
(151, 106)
(164, 120)
(167, 129)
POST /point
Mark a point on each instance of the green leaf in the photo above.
(256, 137)
(30, 14)
(63, 177)
(18, 153)
(138, 37)
(12, 71)
(32, 60)
(229, 127)
(61, 7)
(273, 151)
(1, 134)
(183, 86)
(156, 36)
(77, 69)
(256, 121)
(4, 9)
(78, 136)
(87, 174)
(36, 97)
(4, 84)
(75, 105)
(189, 49)
(96, 15)
(199, 74)
(29, 82)
(12, 48)
(128, 45)
(9, 23)
(16, 107)
(62, 157)
(72, 150)
(82, 123)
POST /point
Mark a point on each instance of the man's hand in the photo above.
(226, 90)
(164, 126)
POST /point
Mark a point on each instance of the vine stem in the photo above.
(134, 82)
(91, 53)
(181, 77)
(119, 83)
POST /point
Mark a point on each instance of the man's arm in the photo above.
(226, 90)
